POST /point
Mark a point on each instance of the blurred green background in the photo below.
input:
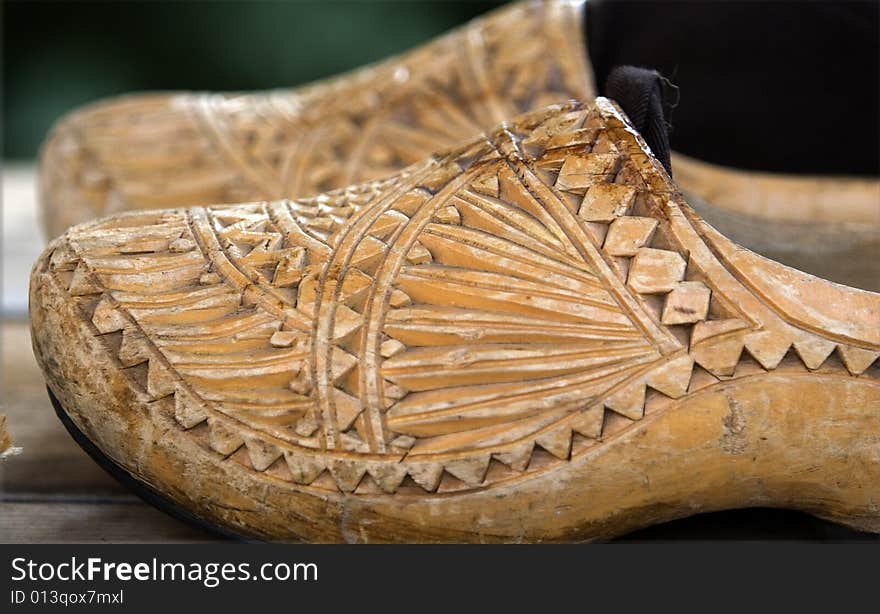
(58, 55)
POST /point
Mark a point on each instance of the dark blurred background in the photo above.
(740, 65)
(58, 55)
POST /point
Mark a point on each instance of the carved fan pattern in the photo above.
(482, 316)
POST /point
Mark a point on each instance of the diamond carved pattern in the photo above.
(466, 331)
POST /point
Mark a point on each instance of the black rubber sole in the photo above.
(139, 488)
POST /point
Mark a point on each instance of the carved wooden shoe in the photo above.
(160, 150)
(531, 338)
(154, 151)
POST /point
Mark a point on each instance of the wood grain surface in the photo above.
(118, 520)
(530, 337)
(5, 442)
(52, 492)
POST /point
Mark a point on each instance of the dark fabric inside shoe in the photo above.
(787, 87)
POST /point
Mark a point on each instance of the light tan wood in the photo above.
(812, 223)
(148, 151)
(52, 492)
(5, 440)
(782, 197)
(529, 338)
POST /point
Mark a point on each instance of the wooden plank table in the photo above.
(51, 491)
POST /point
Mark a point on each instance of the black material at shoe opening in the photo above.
(781, 86)
(643, 94)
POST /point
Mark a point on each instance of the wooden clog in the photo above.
(531, 337)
